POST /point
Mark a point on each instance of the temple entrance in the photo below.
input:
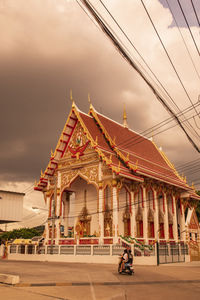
(80, 209)
(84, 219)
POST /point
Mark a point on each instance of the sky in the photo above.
(49, 47)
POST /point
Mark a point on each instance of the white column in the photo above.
(101, 219)
(175, 229)
(145, 217)
(46, 224)
(101, 207)
(133, 221)
(156, 216)
(182, 223)
(115, 214)
(58, 197)
(166, 220)
(66, 213)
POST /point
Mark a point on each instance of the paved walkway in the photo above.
(74, 281)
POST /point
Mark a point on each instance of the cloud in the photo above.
(50, 47)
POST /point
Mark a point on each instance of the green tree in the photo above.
(23, 233)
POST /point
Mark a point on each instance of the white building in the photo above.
(11, 206)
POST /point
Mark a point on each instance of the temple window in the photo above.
(126, 215)
(151, 232)
(139, 212)
(161, 225)
(170, 217)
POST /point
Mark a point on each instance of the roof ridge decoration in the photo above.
(168, 162)
(112, 143)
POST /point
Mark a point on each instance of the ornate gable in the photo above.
(194, 224)
(78, 143)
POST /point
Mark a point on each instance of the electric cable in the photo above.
(188, 26)
(130, 61)
(186, 47)
(171, 62)
(143, 59)
(198, 21)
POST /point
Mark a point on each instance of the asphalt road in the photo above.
(43, 280)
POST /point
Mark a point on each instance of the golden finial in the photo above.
(125, 118)
(71, 98)
(52, 153)
(114, 140)
(41, 173)
(193, 187)
(89, 100)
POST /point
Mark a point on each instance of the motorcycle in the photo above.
(128, 267)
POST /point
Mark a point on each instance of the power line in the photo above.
(188, 26)
(124, 53)
(144, 61)
(174, 17)
(172, 64)
(151, 130)
(195, 12)
(117, 23)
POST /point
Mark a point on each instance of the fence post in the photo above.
(157, 252)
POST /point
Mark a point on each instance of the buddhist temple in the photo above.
(105, 181)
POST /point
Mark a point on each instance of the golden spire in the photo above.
(71, 98)
(52, 153)
(89, 100)
(125, 118)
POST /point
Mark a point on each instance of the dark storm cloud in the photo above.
(34, 87)
(187, 9)
(47, 48)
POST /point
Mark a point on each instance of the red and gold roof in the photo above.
(124, 151)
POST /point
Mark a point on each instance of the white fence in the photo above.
(78, 253)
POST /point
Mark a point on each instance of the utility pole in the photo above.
(53, 215)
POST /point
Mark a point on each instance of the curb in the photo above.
(114, 283)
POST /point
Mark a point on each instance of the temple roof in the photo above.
(126, 152)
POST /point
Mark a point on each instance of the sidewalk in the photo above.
(70, 274)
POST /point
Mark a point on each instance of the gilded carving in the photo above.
(89, 173)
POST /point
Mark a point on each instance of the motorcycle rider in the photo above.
(124, 260)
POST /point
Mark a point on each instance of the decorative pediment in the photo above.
(194, 224)
(77, 144)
